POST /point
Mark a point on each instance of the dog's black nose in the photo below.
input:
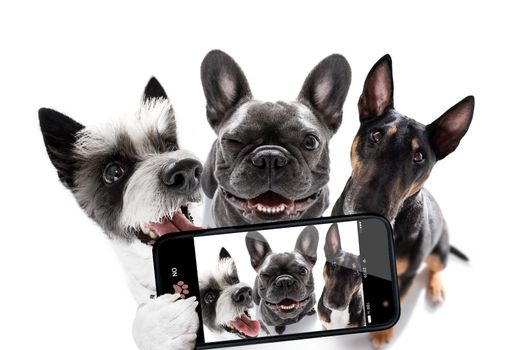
(284, 281)
(243, 295)
(183, 176)
(267, 157)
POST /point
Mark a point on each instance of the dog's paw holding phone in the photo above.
(166, 323)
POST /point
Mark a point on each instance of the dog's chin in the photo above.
(270, 205)
(287, 307)
(179, 221)
(243, 326)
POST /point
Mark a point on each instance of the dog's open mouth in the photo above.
(180, 221)
(244, 326)
(287, 305)
(271, 205)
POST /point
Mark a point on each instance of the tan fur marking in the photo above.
(391, 130)
(354, 158)
(435, 288)
(401, 266)
(415, 144)
(379, 339)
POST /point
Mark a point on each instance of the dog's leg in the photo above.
(405, 280)
(436, 262)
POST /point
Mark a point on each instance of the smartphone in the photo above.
(284, 280)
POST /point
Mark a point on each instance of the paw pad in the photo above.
(182, 289)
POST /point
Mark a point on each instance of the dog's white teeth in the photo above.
(270, 210)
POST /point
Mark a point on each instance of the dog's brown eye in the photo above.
(418, 157)
(376, 136)
(311, 142)
(112, 173)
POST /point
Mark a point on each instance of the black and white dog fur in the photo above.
(132, 179)
(270, 160)
(226, 302)
(341, 302)
(284, 285)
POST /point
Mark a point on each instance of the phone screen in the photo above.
(282, 281)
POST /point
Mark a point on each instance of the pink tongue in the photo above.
(247, 326)
(178, 223)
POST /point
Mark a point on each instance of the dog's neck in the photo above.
(137, 260)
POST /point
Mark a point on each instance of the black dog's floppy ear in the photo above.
(332, 244)
(378, 90)
(258, 248)
(208, 180)
(225, 86)
(60, 134)
(446, 131)
(307, 243)
(326, 87)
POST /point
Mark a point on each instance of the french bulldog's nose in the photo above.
(243, 295)
(284, 281)
(183, 176)
(267, 157)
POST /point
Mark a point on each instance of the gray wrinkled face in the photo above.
(286, 284)
(270, 160)
(129, 176)
(279, 148)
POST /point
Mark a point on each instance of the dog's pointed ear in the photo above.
(208, 180)
(378, 90)
(332, 244)
(60, 134)
(231, 270)
(307, 243)
(446, 132)
(154, 90)
(225, 86)
(258, 248)
(155, 98)
(325, 89)
(224, 254)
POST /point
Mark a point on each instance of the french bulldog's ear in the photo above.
(208, 180)
(446, 131)
(60, 134)
(225, 86)
(258, 248)
(378, 90)
(332, 244)
(326, 87)
(307, 243)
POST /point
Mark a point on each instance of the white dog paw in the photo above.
(166, 323)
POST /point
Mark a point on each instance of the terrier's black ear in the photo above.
(332, 244)
(258, 248)
(378, 90)
(225, 86)
(154, 90)
(325, 89)
(224, 254)
(446, 131)
(307, 243)
(60, 134)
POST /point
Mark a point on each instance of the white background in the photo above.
(281, 240)
(62, 286)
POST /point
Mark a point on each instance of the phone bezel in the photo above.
(283, 224)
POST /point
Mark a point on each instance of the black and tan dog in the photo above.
(392, 156)
(341, 304)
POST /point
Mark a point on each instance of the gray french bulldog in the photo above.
(284, 286)
(270, 160)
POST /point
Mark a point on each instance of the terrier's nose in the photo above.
(182, 176)
(243, 295)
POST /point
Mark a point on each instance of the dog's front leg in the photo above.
(166, 323)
